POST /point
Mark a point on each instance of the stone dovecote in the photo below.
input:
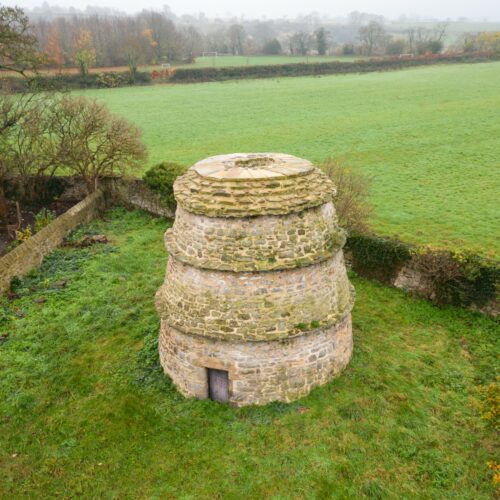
(256, 299)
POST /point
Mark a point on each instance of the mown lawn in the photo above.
(429, 137)
(85, 410)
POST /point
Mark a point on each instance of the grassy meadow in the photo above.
(86, 411)
(428, 137)
(224, 61)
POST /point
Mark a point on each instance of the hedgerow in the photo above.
(324, 68)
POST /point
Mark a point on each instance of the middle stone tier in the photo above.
(255, 306)
(262, 243)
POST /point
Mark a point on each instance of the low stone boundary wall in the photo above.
(30, 254)
(134, 193)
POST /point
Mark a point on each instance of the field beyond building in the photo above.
(429, 138)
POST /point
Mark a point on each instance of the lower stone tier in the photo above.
(258, 372)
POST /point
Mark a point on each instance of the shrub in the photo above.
(43, 218)
(24, 234)
(272, 47)
(112, 80)
(351, 201)
(459, 279)
(379, 258)
(161, 178)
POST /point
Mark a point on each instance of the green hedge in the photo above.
(454, 278)
(65, 81)
(325, 68)
(378, 258)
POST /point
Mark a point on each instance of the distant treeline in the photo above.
(98, 38)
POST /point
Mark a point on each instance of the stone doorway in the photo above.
(218, 385)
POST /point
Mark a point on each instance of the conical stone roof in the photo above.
(251, 184)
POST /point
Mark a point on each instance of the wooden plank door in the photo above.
(218, 385)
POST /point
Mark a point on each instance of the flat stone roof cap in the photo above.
(251, 184)
(252, 166)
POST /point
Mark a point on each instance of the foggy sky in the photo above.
(443, 9)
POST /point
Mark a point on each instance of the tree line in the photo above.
(101, 37)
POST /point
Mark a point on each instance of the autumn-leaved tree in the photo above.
(18, 45)
(489, 41)
(84, 52)
(94, 143)
(53, 49)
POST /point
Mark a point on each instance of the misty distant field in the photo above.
(429, 137)
(223, 61)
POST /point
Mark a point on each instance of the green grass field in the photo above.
(223, 61)
(429, 137)
(85, 410)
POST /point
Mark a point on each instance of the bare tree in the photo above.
(18, 53)
(236, 35)
(299, 43)
(372, 35)
(28, 148)
(92, 142)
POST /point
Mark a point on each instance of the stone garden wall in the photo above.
(30, 254)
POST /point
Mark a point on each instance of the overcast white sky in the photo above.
(474, 9)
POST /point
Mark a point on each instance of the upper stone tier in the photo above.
(242, 185)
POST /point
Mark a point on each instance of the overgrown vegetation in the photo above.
(161, 178)
(86, 411)
(379, 258)
(352, 204)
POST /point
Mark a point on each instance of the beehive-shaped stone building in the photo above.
(256, 303)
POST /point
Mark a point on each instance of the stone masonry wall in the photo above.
(259, 372)
(233, 198)
(259, 243)
(255, 306)
(30, 254)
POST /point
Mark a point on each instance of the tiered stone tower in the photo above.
(256, 303)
